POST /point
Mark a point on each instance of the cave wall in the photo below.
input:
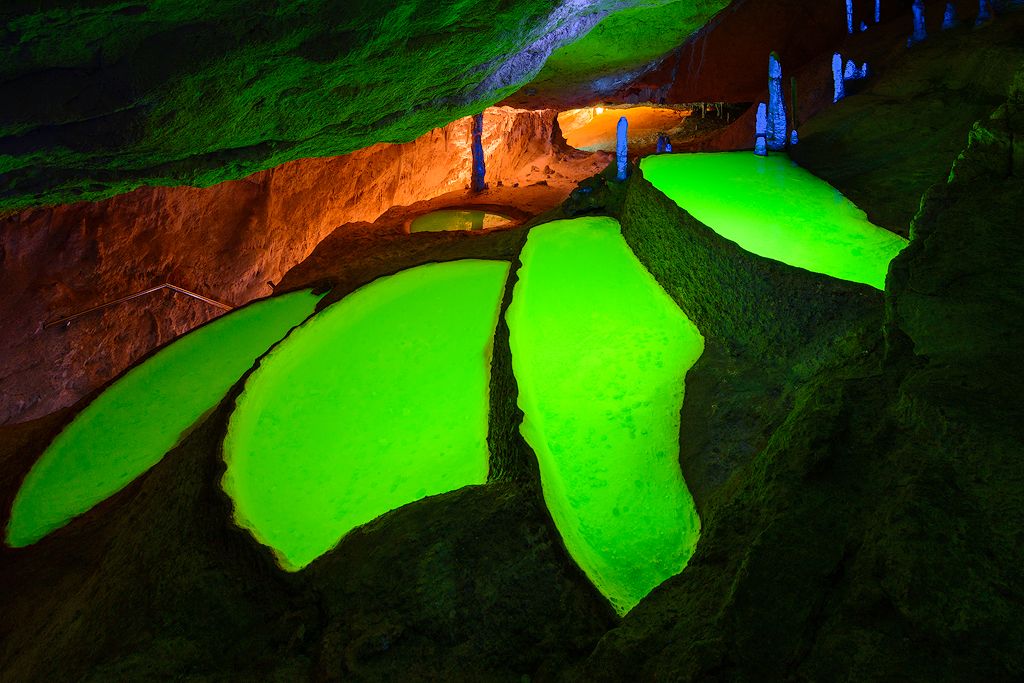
(227, 242)
(105, 97)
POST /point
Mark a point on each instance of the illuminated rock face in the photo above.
(226, 242)
(99, 101)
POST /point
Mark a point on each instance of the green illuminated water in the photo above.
(132, 424)
(773, 208)
(600, 352)
(378, 401)
(458, 219)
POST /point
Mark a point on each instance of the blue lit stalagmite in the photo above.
(760, 147)
(949, 18)
(919, 30)
(984, 12)
(837, 78)
(621, 148)
(777, 125)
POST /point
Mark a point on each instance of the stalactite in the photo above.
(849, 16)
(878, 11)
(479, 165)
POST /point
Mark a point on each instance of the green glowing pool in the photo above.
(458, 219)
(132, 424)
(772, 207)
(378, 401)
(600, 352)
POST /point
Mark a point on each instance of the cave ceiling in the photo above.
(104, 96)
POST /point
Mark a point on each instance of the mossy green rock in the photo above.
(107, 96)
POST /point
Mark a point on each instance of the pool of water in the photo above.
(378, 401)
(140, 417)
(600, 352)
(458, 219)
(776, 209)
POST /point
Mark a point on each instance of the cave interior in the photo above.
(530, 340)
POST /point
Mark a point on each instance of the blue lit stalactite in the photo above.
(878, 11)
(479, 166)
(621, 148)
(984, 12)
(839, 85)
(777, 125)
(949, 18)
(849, 16)
(761, 130)
(919, 30)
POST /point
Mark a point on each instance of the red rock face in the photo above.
(228, 242)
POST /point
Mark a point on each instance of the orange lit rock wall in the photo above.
(227, 242)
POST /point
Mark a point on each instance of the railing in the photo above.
(136, 295)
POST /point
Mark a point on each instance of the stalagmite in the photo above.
(949, 19)
(919, 30)
(794, 139)
(837, 78)
(760, 146)
(479, 166)
(850, 72)
(622, 148)
(777, 125)
(984, 12)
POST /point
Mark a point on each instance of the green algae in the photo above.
(776, 209)
(600, 352)
(378, 401)
(140, 417)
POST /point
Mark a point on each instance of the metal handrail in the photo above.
(136, 295)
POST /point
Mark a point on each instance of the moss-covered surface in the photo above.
(876, 536)
(104, 97)
(897, 135)
(610, 55)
